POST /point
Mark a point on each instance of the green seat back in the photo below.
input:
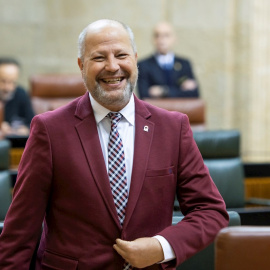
(220, 150)
(5, 193)
(4, 154)
(218, 143)
(228, 175)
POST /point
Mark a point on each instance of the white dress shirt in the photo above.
(126, 129)
(165, 60)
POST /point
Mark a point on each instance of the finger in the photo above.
(122, 243)
(120, 251)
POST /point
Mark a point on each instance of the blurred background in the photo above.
(227, 41)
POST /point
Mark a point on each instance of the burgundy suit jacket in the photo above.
(62, 180)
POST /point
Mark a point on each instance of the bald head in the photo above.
(96, 26)
(164, 37)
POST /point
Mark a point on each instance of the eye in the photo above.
(122, 56)
(98, 58)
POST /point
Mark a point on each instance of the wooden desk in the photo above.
(257, 187)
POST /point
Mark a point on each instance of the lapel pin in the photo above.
(177, 66)
(145, 128)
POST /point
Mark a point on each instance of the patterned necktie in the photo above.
(127, 266)
(117, 171)
(117, 168)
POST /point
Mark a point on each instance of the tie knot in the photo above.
(115, 118)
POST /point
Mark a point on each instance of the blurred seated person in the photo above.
(164, 74)
(18, 111)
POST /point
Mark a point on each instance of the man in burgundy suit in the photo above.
(63, 180)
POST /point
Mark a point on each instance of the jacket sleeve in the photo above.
(186, 73)
(22, 226)
(200, 202)
(143, 81)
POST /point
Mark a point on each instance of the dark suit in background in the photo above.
(150, 73)
(19, 108)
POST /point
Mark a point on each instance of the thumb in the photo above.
(121, 243)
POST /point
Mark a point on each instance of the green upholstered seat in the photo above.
(5, 193)
(221, 153)
(4, 154)
(228, 175)
(218, 143)
(5, 179)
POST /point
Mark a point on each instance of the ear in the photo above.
(80, 64)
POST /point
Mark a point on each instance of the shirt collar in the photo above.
(100, 112)
(164, 59)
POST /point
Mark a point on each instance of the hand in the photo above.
(188, 85)
(22, 130)
(141, 252)
(6, 128)
(156, 91)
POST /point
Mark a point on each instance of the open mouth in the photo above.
(113, 80)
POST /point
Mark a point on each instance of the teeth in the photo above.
(115, 80)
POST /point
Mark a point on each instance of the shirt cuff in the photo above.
(167, 248)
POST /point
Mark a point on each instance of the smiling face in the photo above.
(109, 65)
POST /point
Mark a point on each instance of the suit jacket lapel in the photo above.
(144, 130)
(88, 134)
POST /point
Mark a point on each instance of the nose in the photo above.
(112, 64)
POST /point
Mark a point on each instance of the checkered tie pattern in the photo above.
(117, 171)
(127, 266)
(117, 168)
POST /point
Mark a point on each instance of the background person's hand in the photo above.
(7, 129)
(188, 85)
(157, 91)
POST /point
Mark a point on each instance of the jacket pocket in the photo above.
(58, 262)
(160, 172)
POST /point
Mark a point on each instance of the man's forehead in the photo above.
(9, 68)
(107, 34)
(100, 25)
(163, 27)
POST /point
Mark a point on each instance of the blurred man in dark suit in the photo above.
(164, 74)
(18, 111)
